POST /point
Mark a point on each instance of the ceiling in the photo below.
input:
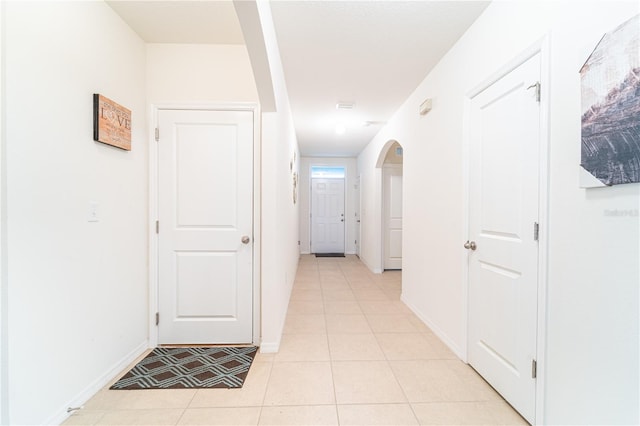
(371, 54)
(181, 21)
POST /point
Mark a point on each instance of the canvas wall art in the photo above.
(610, 86)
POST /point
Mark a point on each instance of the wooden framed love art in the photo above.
(111, 123)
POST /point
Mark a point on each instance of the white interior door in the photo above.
(392, 202)
(327, 215)
(205, 210)
(503, 268)
(358, 199)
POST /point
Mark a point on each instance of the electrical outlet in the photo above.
(92, 213)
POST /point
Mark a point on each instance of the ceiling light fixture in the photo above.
(345, 105)
(368, 123)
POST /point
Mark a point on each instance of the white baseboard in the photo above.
(61, 415)
(436, 330)
(269, 347)
(374, 270)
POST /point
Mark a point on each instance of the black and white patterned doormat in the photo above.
(194, 367)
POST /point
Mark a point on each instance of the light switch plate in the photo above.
(92, 213)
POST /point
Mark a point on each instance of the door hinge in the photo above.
(157, 226)
(157, 134)
(157, 318)
(536, 85)
(536, 231)
(534, 369)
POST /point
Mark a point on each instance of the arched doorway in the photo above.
(390, 162)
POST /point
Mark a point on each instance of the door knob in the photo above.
(245, 239)
(470, 245)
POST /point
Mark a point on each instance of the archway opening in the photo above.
(390, 161)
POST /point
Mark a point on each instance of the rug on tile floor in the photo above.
(193, 367)
(329, 254)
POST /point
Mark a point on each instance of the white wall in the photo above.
(187, 75)
(199, 73)
(279, 213)
(77, 291)
(351, 202)
(4, 364)
(224, 74)
(371, 208)
(592, 365)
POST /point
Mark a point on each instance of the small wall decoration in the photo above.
(610, 83)
(294, 176)
(111, 123)
(295, 187)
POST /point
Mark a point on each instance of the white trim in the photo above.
(153, 237)
(4, 279)
(458, 351)
(464, 256)
(374, 270)
(380, 165)
(269, 347)
(379, 218)
(384, 151)
(153, 206)
(61, 413)
(257, 222)
(541, 47)
(543, 217)
(345, 167)
(506, 69)
(383, 216)
(358, 217)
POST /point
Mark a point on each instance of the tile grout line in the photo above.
(395, 377)
(333, 375)
(266, 387)
(184, 410)
(326, 334)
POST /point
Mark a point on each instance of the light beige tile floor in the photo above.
(351, 354)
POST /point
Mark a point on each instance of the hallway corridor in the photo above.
(351, 354)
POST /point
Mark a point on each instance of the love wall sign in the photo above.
(111, 123)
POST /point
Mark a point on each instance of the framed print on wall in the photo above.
(111, 123)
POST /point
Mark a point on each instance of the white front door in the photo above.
(327, 215)
(392, 202)
(503, 202)
(205, 212)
